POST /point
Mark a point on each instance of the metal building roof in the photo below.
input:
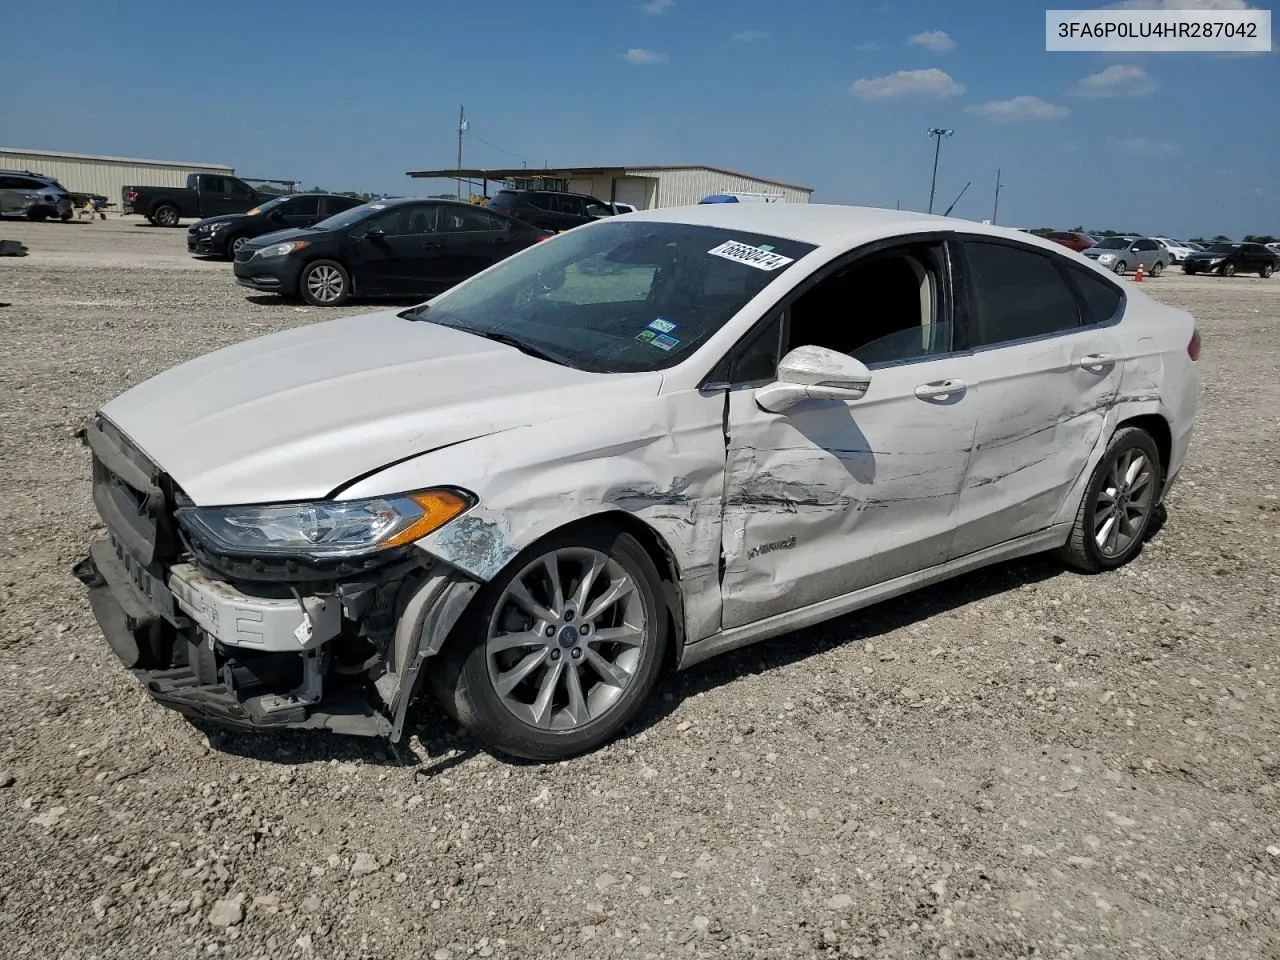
(523, 173)
(131, 160)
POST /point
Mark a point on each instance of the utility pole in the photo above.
(996, 207)
(937, 133)
(462, 126)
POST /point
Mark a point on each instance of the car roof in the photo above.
(820, 224)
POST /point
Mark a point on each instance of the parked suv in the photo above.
(37, 197)
(550, 209)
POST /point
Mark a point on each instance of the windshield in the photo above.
(1223, 247)
(267, 207)
(349, 218)
(618, 297)
(1113, 243)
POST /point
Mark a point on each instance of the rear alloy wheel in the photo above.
(1118, 504)
(166, 215)
(1266, 271)
(1157, 268)
(559, 651)
(324, 283)
(234, 245)
(1228, 269)
(1121, 268)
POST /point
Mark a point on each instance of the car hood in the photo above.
(1206, 255)
(280, 236)
(1099, 251)
(298, 415)
(209, 221)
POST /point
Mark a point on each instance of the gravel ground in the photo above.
(1024, 762)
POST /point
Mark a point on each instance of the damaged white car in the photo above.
(644, 442)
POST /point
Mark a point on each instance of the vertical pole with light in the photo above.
(462, 128)
(995, 208)
(937, 133)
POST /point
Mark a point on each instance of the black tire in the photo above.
(37, 214)
(1121, 268)
(1228, 269)
(234, 244)
(1266, 272)
(460, 674)
(324, 283)
(1157, 268)
(1189, 271)
(165, 215)
(1082, 550)
(65, 217)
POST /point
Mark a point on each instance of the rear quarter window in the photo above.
(1102, 301)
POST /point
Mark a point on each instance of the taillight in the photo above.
(1193, 348)
(133, 195)
(545, 235)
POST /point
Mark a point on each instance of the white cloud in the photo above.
(930, 84)
(936, 40)
(1018, 110)
(1116, 81)
(1143, 146)
(748, 36)
(640, 57)
(657, 8)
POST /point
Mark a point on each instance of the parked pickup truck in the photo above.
(205, 195)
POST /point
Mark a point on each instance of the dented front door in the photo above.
(832, 496)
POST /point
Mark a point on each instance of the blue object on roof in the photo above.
(719, 198)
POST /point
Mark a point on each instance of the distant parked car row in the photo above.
(324, 248)
(1153, 254)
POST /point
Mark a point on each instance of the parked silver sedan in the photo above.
(1122, 254)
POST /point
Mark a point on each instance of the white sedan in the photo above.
(647, 441)
(1179, 250)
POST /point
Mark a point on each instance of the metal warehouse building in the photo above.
(643, 187)
(83, 173)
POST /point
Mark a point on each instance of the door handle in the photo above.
(940, 389)
(1097, 361)
(431, 245)
(500, 242)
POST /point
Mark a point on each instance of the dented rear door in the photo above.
(832, 496)
(1042, 399)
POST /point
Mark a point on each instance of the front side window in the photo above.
(238, 189)
(1018, 293)
(618, 297)
(1112, 243)
(305, 206)
(213, 185)
(460, 219)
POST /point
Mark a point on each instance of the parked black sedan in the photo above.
(401, 248)
(223, 236)
(1228, 259)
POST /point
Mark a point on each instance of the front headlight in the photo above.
(215, 227)
(282, 249)
(325, 528)
(1106, 257)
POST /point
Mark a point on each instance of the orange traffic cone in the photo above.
(1138, 276)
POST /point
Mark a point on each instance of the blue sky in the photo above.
(833, 94)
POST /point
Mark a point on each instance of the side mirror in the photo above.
(814, 373)
(374, 234)
(277, 214)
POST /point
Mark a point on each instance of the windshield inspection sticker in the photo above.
(645, 335)
(757, 257)
(663, 342)
(662, 326)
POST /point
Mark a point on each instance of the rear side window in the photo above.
(1102, 300)
(1018, 293)
(213, 185)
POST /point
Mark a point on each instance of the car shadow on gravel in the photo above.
(384, 303)
(447, 745)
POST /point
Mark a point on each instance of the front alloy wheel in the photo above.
(560, 650)
(325, 284)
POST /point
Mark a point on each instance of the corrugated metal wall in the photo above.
(678, 188)
(98, 175)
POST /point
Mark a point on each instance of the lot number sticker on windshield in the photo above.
(757, 257)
